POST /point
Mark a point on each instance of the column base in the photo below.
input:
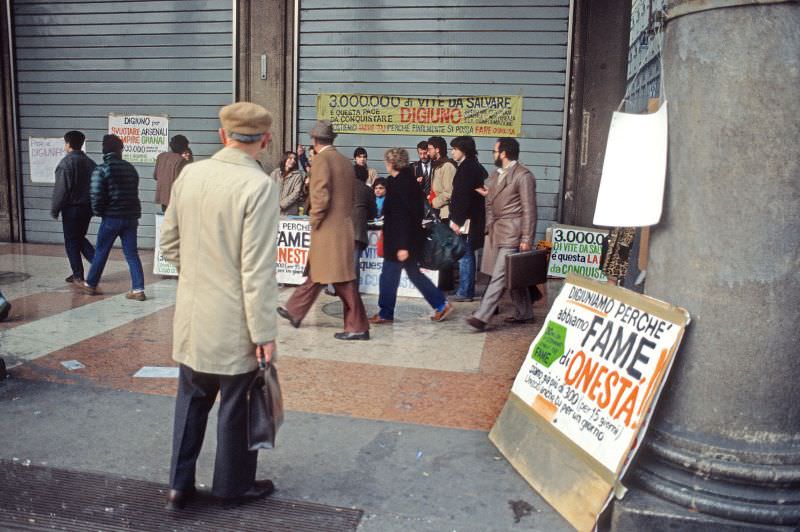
(640, 510)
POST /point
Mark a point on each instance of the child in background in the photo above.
(379, 187)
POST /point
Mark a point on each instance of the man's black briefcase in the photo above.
(525, 269)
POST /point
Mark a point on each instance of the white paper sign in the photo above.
(144, 136)
(634, 169)
(160, 264)
(44, 154)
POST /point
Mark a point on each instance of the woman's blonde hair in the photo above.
(397, 157)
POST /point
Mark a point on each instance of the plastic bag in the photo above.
(443, 247)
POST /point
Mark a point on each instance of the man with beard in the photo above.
(442, 173)
(510, 227)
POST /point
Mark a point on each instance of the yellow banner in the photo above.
(380, 114)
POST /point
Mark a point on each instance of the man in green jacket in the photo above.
(114, 195)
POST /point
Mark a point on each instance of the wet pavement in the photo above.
(396, 426)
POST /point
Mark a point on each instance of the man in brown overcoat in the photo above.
(330, 259)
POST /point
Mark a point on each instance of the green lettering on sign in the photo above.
(551, 346)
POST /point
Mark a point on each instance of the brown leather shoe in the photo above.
(283, 313)
(377, 320)
(441, 316)
(177, 499)
(476, 324)
(86, 289)
(137, 296)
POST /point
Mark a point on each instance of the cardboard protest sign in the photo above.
(294, 241)
(585, 393)
(381, 114)
(160, 264)
(577, 250)
(144, 136)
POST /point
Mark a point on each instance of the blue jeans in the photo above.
(75, 221)
(390, 280)
(466, 271)
(110, 229)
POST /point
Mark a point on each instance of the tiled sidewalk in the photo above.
(414, 371)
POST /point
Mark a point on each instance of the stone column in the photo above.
(723, 452)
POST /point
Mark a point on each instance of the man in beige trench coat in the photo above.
(220, 232)
(330, 259)
(510, 227)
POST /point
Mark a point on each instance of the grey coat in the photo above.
(510, 212)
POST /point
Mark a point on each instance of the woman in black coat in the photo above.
(403, 240)
(467, 204)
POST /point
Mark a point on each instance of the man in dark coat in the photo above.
(467, 211)
(403, 239)
(71, 200)
(114, 194)
(364, 209)
(423, 168)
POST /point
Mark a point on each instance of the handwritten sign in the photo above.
(44, 154)
(589, 383)
(294, 241)
(380, 114)
(577, 250)
(144, 136)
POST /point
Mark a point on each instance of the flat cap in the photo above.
(245, 118)
(322, 130)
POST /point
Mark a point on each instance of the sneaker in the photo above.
(137, 295)
(442, 315)
(377, 320)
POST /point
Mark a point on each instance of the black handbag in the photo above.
(264, 408)
(443, 247)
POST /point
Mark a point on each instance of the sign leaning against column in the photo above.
(585, 393)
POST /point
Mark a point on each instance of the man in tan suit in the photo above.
(220, 232)
(510, 227)
(330, 259)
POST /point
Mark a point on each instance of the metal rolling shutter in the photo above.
(77, 62)
(451, 47)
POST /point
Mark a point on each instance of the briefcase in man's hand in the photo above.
(527, 268)
(264, 409)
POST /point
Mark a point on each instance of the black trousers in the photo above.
(75, 222)
(234, 465)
